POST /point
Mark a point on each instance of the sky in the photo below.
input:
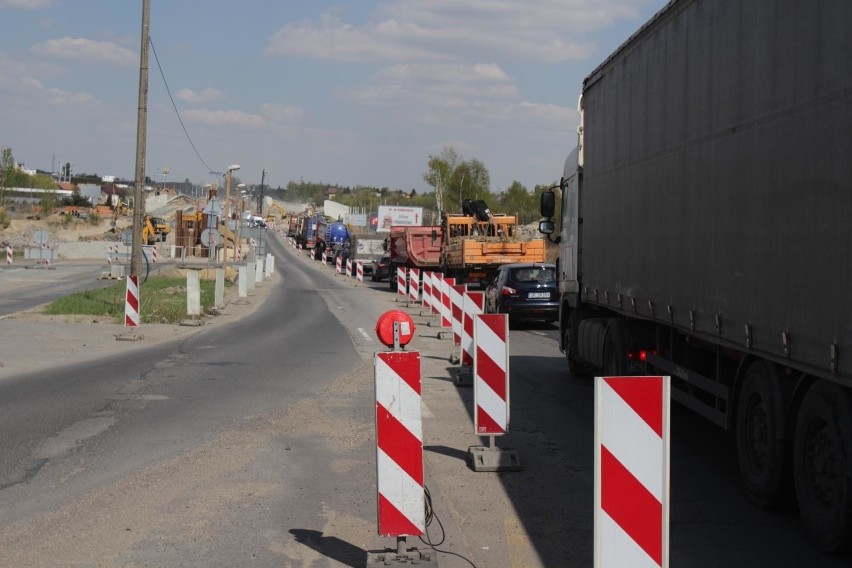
(345, 92)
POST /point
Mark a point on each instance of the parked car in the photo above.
(524, 291)
(381, 268)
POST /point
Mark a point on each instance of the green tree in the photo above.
(456, 179)
(7, 172)
(517, 200)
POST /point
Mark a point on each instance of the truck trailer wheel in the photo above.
(615, 349)
(569, 346)
(822, 465)
(760, 448)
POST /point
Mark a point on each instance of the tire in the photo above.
(614, 349)
(575, 367)
(822, 465)
(760, 446)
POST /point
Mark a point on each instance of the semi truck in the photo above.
(702, 235)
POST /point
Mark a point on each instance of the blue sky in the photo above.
(342, 92)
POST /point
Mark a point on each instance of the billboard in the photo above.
(390, 215)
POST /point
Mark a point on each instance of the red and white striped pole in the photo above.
(473, 305)
(325, 257)
(359, 270)
(427, 290)
(413, 285)
(131, 304)
(154, 254)
(437, 286)
(338, 265)
(457, 298)
(491, 374)
(401, 291)
(446, 302)
(632, 471)
(8, 254)
(349, 267)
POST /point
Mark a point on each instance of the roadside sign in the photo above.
(210, 237)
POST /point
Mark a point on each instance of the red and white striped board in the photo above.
(338, 265)
(8, 254)
(632, 471)
(447, 302)
(400, 283)
(349, 267)
(472, 305)
(413, 285)
(131, 304)
(324, 257)
(457, 298)
(314, 253)
(399, 444)
(427, 289)
(359, 270)
(437, 298)
(491, 374)
(154, 254)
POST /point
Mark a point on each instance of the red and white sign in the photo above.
(324, 257)
(349, 267)
(632, 471)
(399, 444)
(427, 289)
(447, 302)
(413, 285)
(400, 283)
(131, 304)
(472, 305)
(359, 270)
(491, 374)
(8, 254)
(338, 265)
(457, 299)
(437, 297)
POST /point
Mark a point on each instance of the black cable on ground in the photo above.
(430, 516)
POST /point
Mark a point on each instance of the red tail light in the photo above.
(508, 291)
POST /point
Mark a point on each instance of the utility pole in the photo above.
(260, 203)
(141, 137)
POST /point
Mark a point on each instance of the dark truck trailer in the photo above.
(704, 234)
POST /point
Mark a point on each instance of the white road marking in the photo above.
(365, 334)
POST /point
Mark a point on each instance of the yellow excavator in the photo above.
(270, 216)
(149, 235)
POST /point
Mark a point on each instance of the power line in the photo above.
(174, 106)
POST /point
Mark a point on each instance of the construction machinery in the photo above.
(271, 217)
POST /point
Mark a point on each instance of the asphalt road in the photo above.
(251, 443)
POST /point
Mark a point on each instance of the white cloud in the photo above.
(26, 4)
(535, 30)
(224, 118)
(207, 95)
(56, 97)
(282, 113)
(82, 49)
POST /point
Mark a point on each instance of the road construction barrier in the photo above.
(631, 471)
(324, 257)
(446, 302)
(359, 270)
(314, 253)
(437, 297)
(8, 254)
(349, 267)
(131, 304)
(338, 265)
(109, 253)
(401, 292)
(399, 444)
(427, 290)
(472, 305)
(413, 285)
(491, 374)
(456, 299)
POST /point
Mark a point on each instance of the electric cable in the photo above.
(430, 516)
(174, 106)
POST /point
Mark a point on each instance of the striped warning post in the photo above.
(413, 285)
(325, 257)
(491, 374)
(472, 305)
(314, 253)
(8, 254)
(338, 265)
(131, 304)
(349, 267)
(154, 254)
(427, 289)
(399, 444)
(109, 253)
(632, 471)
(456, 299)
(400, 283)
(359, 270)
(437, 299)
(446, 302)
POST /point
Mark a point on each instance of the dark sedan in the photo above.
(524, 291)
(381, 268)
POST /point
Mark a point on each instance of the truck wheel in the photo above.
(760, 448)
(822, 465)
(575, 367)
(615, 350)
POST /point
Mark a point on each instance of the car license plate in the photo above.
(539, 295)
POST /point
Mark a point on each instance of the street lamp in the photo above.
(233, 168)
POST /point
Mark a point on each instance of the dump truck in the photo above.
(477, 242)
(414, 247)
(703, 236)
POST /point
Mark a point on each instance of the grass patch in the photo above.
(162, 300)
